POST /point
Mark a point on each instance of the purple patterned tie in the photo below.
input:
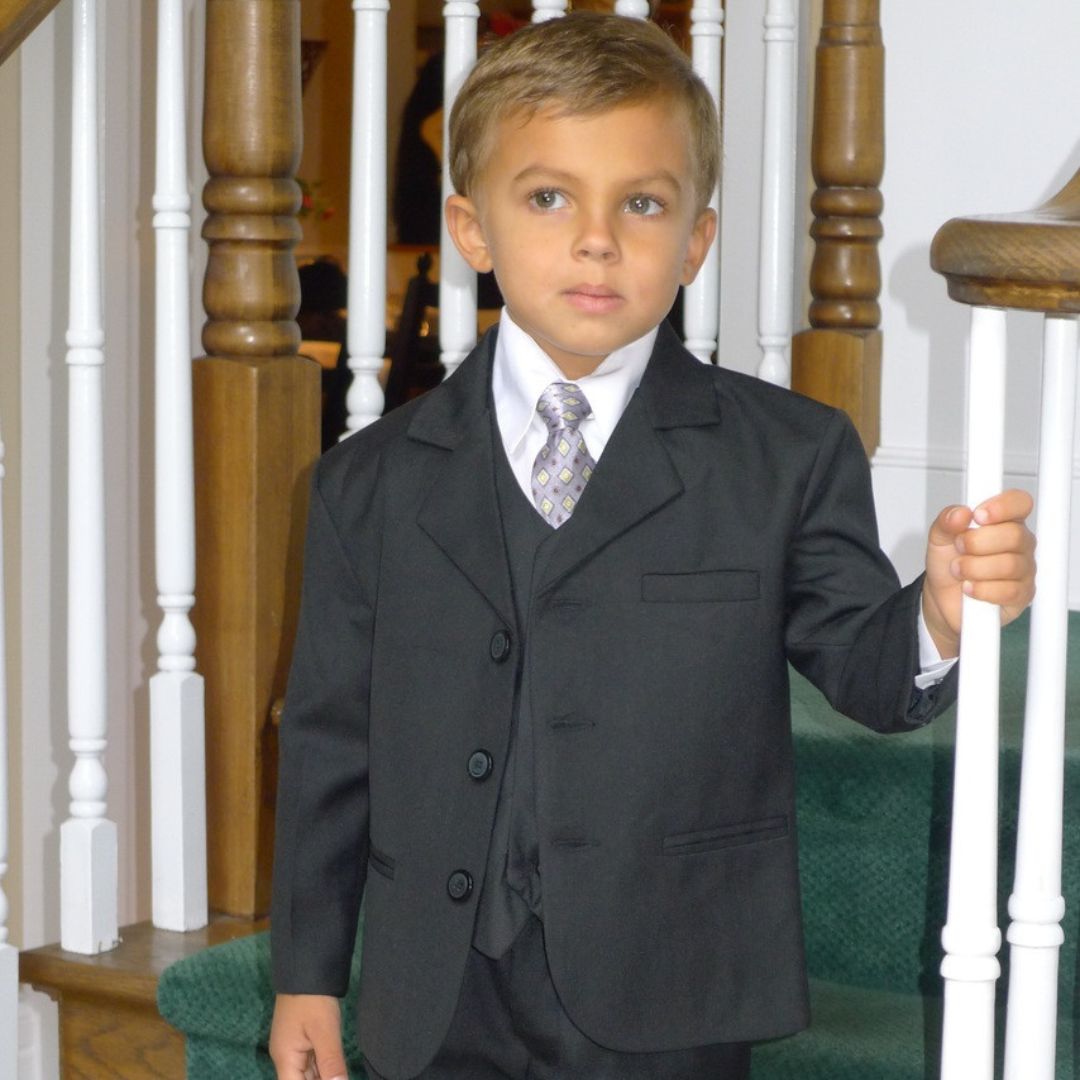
(564, 464)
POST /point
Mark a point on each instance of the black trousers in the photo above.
(510, 1025)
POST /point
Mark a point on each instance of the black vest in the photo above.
(512, 878)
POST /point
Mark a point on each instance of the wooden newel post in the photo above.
(256, 417)
(839, 359)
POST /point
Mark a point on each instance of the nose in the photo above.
(596, 239)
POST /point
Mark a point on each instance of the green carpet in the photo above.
(873, 824)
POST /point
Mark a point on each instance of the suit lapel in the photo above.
(461, 512)
(635, 476)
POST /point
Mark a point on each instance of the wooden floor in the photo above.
(109, 1024)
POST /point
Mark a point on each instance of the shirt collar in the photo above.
(521, 370)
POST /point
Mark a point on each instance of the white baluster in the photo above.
(9, 955)
(367, 215)
(701, 300)
(633, 9)
(1036, 906)
(548, 9)
(177, 754)
(971, 936)
(457, 281)
(777, 194)
(88, 859)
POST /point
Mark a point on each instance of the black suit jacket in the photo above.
(728, 529)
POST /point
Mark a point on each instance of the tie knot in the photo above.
(562, 405)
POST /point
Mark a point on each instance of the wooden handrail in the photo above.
(1029, 261)
(18, 18)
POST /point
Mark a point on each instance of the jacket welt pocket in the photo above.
(726, 836)
(381, 863)
(700, 586)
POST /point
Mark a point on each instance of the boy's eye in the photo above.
(548, 199)
(644, 205)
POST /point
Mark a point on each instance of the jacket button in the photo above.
(480, 765)
(459, 885)
(500, 646)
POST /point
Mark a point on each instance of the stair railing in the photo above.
(457, 282)
(177, 754)
(777, 224)
(838, 360)
(88, 840)
(701, 299)
(367, 215)
(1023, 262)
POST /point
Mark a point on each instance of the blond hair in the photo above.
(580, 64)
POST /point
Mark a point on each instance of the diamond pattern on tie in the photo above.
(564, 464)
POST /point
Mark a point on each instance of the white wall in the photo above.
(978, 121)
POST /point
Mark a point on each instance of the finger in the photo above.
(329, 1055)
(1010, 536)
(1006, 594)
(1011, 505)
(952, 521)
(1007, 566)
(330, 1063)
(290, 1064)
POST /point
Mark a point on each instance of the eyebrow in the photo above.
(543, 172)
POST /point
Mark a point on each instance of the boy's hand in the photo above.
(305, 1038)
(995, 563)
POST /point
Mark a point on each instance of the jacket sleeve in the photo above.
(851, 629)
(321, 844)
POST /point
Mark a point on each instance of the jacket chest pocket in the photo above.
(701, 586)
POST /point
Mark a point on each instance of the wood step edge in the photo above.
(130, 972)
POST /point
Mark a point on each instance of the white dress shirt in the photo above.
(522, 370)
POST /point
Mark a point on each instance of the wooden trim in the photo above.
(18, 19)
(256, 410)
(848, 158)
(109, 1023)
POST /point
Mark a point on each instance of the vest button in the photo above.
(459, 885)
(480, 765)
(500, 646)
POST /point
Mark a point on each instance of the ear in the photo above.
(467, 232)
(701, 237)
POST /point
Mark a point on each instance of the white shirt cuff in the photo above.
(932, 669)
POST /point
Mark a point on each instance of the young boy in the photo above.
(538, 713)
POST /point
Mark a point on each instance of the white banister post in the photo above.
(633, 9)
(777, 248)
(971, 937)
(88, 856)
(367, 215)
(548, 9)
(1036, 906)
(177, 751)
(9, 955)
(701, 300)
(457, 280)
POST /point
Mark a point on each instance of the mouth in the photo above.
(593, 299)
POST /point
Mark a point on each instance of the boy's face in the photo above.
(590, 224)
